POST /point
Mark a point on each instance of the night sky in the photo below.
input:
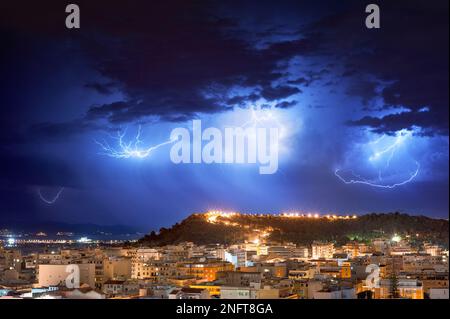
(355, 104)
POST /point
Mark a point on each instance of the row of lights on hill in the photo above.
(291, 215)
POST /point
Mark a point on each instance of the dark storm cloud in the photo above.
(166, 59)
(54, 131)
(392, 123)
(102, 88)
(286, 104)
(240, 100)
(164, 56)
(309, 77)
(16, 204)
(168, 108)
(410, 52)
(363, 88)
(300, 81)
(279, 92)
(108, 110)
(176, 60)
(21, 176)
(21, 170)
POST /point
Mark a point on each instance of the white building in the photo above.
(54, 275)
(322, 250)
(237, 293)
(255, 291)
(433, 250)
(145, 254)
(189, 293)
(344, 293)
(120, 288)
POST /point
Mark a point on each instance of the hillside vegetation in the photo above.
(196, 228)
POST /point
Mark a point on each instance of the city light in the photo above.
(213, 215)
(84, 240)
(333, 261)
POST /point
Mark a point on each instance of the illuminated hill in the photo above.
(227, 228)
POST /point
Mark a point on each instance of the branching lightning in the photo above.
(130, 149)
(360, 180)
(52, 200)
(385, 153)
(259, 116)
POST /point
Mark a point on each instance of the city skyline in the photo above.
(404, 259)
(87, 114)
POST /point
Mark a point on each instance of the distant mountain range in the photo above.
(206, 229)
(51, 228)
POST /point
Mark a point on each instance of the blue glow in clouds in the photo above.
(383, 153)
(260, 116)
(133, 148)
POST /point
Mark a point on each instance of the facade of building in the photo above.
(205, 270)
(189, 293)
(406, 288)
(54, 275)
(322, 250)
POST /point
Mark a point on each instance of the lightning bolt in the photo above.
(259, 116)
(400, 138)
(388, 152)
(50, 201)
(360, 180)
(130, 149)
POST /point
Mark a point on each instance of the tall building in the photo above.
(433, 250)
(406, 288)
(322, 250)
(117, 268)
